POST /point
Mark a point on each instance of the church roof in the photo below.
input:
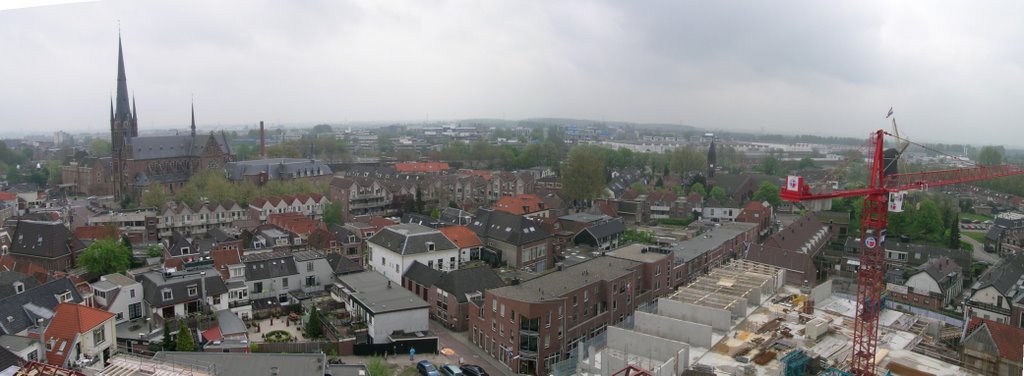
(159, 147)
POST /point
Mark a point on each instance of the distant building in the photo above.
(262, 171)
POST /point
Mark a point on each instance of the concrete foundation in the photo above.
(718, 319)
(659, 355)
(694, 334)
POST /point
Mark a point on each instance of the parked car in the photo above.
(473, 370)
(451, 370)
(426, 368)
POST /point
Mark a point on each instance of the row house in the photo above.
(270, 236)
(193, 253)
(172, 294)
(763, 215)
(361, 196)
(937, 285)
(507, 183)
(997, 295)
(395, 248)
(533, 325)
(517, 241)
(119, 295)
(296, 223)
(341, 239)
(44, 297)
(311, 205)
(449, 293)
(464, 189)
(277, 274)
(796, 249)
(696, 256)
(200, 218)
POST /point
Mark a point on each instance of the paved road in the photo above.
(979, 253)
(467, 350)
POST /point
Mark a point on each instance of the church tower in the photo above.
(123, 126)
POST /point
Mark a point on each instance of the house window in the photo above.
(167, 294)
(311, 281)
(131, 293)
(309, 266)
(503, 310)
(193, 290)
(382, 260)
(120, 316)
(284, 282)
(257, 287)
(574, 300)
(64, 296)
(98, 336)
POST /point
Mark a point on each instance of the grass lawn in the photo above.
(975, 217)
(409, 371)
(978, 236)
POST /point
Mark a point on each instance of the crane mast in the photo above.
(874, 220)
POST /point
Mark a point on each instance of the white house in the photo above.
(176, 294)
(79, 336)
(274, 274)
(120, 295)
(991, 296)
(385, 307)
(394, 249)
(938, 277)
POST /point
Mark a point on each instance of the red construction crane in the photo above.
(870, 276)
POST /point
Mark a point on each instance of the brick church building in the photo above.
(138, 162)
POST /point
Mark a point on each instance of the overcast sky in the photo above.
(952, 70)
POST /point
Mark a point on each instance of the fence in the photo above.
(427, 345)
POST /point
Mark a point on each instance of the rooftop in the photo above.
(639, 252)
(557, 283)
(377, 294)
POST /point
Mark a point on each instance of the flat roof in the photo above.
(373, 291)
(248, 364)
(584, 217)
(692, 248)
(636, 252)
(557, 283)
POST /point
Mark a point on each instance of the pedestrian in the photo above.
(462, 360)
(385, 355)
(412, 353)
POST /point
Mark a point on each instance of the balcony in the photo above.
(239, 303)
(989, 307)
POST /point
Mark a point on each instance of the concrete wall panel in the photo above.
(718, 319)
(692, 333)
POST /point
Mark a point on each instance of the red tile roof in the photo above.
(213, 334)
(224, 257)
(295, 222)
(481, 173)
(520, 204)
(70, 320)
(462, 236)
(421, 167)
(381, 222)
(1008, 339)
(8, 196)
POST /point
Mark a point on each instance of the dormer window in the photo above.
(186, 250)
(166, 294)
(430, 246)
(64, 296)
(193, 290)
(19, 287)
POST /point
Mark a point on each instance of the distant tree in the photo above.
(928, 221)
(768, 192)
(184, 341)
(453, 204)
(718, 193)
(769, 165)
(659, 183)
(99, 147)
(990, 156)
(954, 233)
(168, 341)
(322, 128)
(805, 163)
(106, 256)
(583, 173)
(313, 328)
(333, 214)
(155, 196)
(698, 188)
(435, 213)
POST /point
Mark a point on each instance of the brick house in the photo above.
(515, 240)
(449, 294)
(47, 244)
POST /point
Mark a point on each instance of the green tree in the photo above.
(168, 342)
(805, 163)
(954, 233)
(990, 156)
(106, 256)
(583, 173)
(928, 221)
(698, 188)
(184, 342)
(687, 159)
(99, 147)
(313, 328)
(322, 128)
(770, 165)
(768, 192)
(155, 251)
(333, 214)
(155, 196)
(377, 367)
(718, 193)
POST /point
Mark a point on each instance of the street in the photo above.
(466, 350)
(979, 253)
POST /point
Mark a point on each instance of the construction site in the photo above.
(740, 319)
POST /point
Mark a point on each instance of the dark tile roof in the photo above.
(606, 229)
(19, 312)
(509, 228)
(342, 265)
(268, 265)
(8, 278)
(159, 147)
(341, 233)
(43, 239)
(274, 167)
(422, 274)
(462, 281)
(455, 216)
(940, 268)
(421, 219)
(8, 359)
(410, 239)
(153, 283)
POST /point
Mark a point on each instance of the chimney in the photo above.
(71, 249)
(263, 142)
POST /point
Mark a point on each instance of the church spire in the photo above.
(123, 110)
(135, 117)
(111, 112)
(193, 118)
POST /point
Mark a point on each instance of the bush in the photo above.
(277, 336)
